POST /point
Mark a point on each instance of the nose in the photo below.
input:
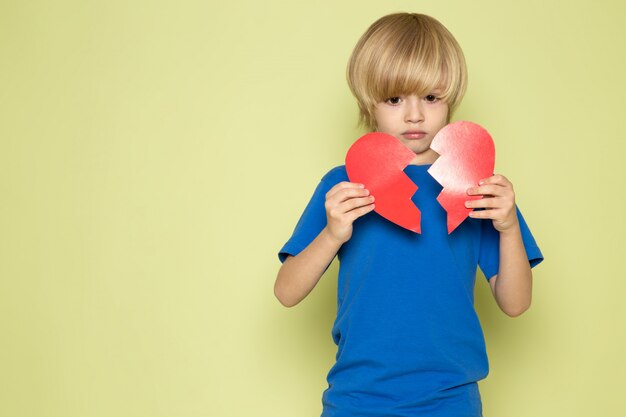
(414, 111)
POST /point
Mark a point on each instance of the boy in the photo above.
(409, 340)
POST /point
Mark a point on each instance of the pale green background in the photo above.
(155, 156)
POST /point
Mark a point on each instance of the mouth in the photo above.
(413, 134)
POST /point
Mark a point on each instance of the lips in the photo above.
(414, 134)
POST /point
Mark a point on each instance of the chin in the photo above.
(418, 146)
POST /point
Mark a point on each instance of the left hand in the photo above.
(498, 201)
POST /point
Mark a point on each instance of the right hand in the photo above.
(346, 202)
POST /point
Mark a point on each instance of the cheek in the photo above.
(381, 119)
(446, 111)
(442, 115)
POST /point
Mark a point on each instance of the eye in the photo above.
(393, 100)
(431, 98)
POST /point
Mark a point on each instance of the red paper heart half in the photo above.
(467, 155)
(377, 160)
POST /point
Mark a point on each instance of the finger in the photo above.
(492, 202)
(344, 194)
(360, 211)
(335, 208)
(492, 189)
(342, 186)
(495, 179)
(353, 203)
(483, 214)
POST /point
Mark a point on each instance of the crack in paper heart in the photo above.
(378, 160)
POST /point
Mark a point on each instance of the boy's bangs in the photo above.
(410, 76)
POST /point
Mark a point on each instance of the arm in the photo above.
(299, 274)
(513, 291)
(512, 286)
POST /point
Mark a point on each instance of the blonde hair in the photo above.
(402, 54)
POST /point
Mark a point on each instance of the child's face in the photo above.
(414, 121)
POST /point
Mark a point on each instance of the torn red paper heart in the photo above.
(467, 155)
(377, 160)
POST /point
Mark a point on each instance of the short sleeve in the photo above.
(311, 222)
(489, 256)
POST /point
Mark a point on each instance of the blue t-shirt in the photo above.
(409, 340)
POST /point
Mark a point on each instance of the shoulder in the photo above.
(335, 175)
